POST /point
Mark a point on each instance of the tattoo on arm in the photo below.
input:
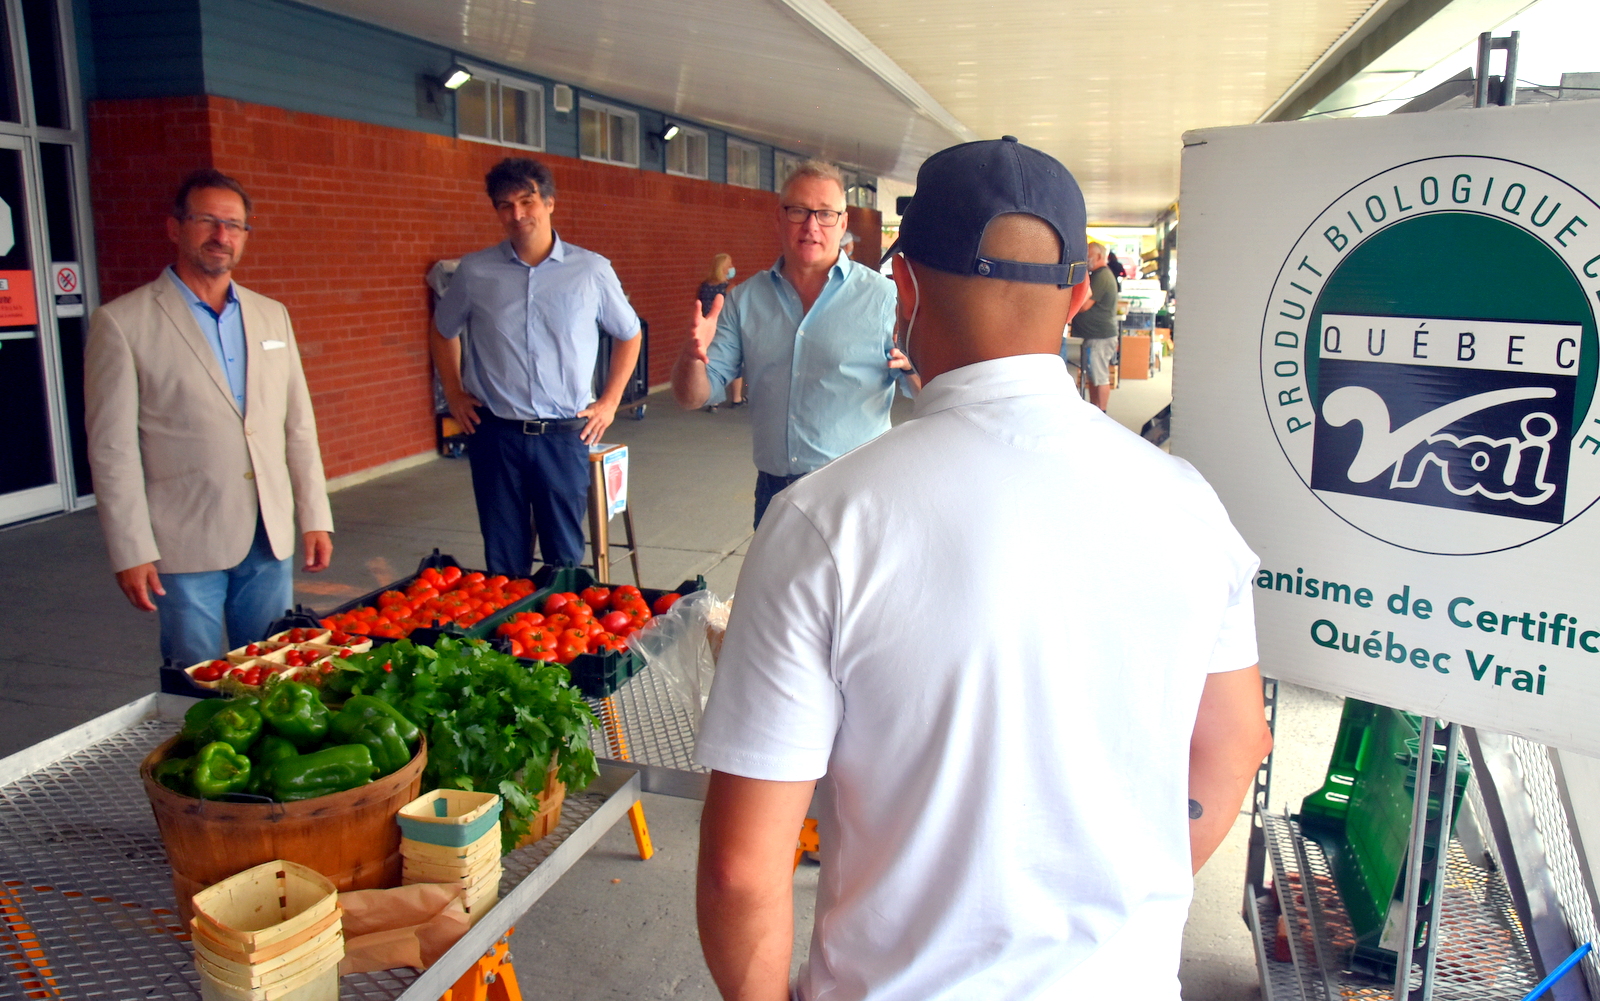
(1195, 809)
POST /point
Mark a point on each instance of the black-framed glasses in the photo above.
(232, 227)
(799, 214)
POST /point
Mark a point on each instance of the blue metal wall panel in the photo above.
(146, 48)
(560, 130)
(278, 53)
(716, 156)
(293, 57)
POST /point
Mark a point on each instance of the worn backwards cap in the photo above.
(960, 190)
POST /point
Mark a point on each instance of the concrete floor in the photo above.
(72, 648)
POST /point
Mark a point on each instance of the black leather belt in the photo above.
(540, 426)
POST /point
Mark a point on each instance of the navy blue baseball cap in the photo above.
(960, 190)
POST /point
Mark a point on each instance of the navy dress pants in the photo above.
(524, 484)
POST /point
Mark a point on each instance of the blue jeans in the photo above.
(769, 486)
(247, 598)
(521, 481)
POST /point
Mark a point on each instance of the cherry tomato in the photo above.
(211, 671)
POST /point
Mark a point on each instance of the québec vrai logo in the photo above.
(1429, 355)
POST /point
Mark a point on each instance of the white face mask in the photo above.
(732, 272)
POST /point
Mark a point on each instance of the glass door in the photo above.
(47, 285)
(30, 480)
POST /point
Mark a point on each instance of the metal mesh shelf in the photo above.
(656, 728)
(86, 904)
(1482, 954)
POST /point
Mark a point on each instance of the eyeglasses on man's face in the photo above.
(233, 227)
(799, 214)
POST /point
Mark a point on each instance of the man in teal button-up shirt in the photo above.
(814, 336)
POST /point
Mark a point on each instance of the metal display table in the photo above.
(648, 729)
(86, 905)
(1482, 955)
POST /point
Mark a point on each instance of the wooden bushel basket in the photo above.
(350, 837)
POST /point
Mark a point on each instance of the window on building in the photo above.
(608, 133)
(744, 164)
(499, 109)
(783, 165)
(686, 153)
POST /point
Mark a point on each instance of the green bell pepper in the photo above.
(200, 714)
(295, 712)
(174, 774)
(320, 773)
(218, 770)
(360, 708)
(381, 736)
(268, 751)
(238, 726)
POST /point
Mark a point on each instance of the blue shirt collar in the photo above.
(558, 251)
(838, 270)
(194, 300)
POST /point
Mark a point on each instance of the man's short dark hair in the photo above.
(206, 177)
(516, 174)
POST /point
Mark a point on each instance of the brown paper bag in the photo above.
(404, 926)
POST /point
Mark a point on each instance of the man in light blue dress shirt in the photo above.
(814, 336)
(534, 308)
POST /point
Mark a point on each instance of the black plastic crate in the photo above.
(437, 561)
(596, 675)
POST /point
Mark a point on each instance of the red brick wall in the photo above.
(348, 219)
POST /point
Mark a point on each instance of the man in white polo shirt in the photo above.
(1028, 733)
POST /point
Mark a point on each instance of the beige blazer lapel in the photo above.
(257, 329)
(177, 309)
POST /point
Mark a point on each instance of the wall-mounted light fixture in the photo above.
(456, 76)
(670, 131)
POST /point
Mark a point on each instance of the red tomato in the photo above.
(451, 575)
(211, 671)
(627, 589)
(517, 649)
(473, 578)
(554, 603)
(254, 675)
(613, 621)
(596, 597)
(665, 602)
(498, 581)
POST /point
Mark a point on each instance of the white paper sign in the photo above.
(66, 285)
(1389, 375)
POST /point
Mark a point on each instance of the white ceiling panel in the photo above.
(1107, 86)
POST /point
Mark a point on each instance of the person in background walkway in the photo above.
(1116, 267)
(534, 307)
(716, 284)
(814, 336)
(1010, 808)
(1097, 325)
(202, 440)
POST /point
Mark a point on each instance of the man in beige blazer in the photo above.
(201, 438)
